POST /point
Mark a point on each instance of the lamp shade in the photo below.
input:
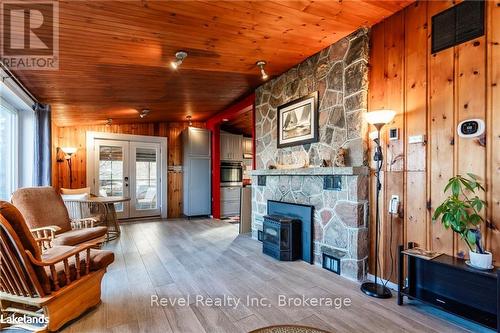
(69, 150)
(380, 116)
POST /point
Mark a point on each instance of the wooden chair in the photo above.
(58, 285)
(47, 216)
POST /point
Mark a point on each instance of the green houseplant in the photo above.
(461, 212)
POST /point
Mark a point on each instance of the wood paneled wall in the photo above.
(75, 136)
(431, 93)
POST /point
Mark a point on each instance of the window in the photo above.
(17, 124)
(8, 153)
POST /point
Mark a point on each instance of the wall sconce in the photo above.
(68, 153)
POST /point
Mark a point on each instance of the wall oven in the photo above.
(231, 173)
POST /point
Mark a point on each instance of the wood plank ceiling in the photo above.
(115, 55)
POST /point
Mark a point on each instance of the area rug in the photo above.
(288, 329)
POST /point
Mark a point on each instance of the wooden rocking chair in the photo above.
(47, 216)
(58, 285)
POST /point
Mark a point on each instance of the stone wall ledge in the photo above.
(326, 171)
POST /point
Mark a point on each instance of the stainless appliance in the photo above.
(231, 173)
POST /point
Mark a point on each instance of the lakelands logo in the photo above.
(30, 34)
(13, 319)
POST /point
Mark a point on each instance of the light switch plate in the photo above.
(393, 134)
(416, 139)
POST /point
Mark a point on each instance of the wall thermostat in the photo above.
(471, 128)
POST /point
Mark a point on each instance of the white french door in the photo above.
(112, 172)
(129, 169)
(144, 179)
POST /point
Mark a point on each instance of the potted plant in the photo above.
(461, 212)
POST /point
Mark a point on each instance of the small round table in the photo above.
(111, 218)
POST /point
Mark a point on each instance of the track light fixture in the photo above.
(179, 58)
(261, 64)
(188, 117)
(144, 113)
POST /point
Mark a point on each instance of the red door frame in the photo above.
(213, 124)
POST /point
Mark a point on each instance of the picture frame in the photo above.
(298, 121)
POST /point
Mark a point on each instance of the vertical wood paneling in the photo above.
(442, 129)
(493, 126)
(471, 99)
(416, 123)
(376, 100)
(392, 233)
(432, 93)
(76, 137)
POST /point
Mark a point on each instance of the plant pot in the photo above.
(480, 260)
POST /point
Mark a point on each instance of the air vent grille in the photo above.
(458, 24)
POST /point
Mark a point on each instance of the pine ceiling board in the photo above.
(115, 55)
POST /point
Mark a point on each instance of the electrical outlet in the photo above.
(394, 204)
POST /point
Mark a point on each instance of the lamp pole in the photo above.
(70, 171)
(374, 289)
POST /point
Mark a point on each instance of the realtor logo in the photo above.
(30, 35)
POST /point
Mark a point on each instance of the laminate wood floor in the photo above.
(207, 258)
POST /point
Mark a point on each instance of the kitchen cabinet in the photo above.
(231, 147)
(247, 147)
(196, 172)
(230, 200)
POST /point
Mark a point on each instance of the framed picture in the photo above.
(298, 121)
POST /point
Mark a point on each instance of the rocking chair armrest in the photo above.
(53, 228)
(43, 240)
(76, 251)
(88, 222)
(65, 260)
(44, 236)
(44, 243)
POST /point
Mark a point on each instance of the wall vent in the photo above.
(332, 183)
(457, 25)
(331, 263)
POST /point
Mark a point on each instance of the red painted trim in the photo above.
(253, 138)
(213, 124)
(233, 111)
(215, 129)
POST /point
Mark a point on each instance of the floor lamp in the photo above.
(378, 119)
(69, 151)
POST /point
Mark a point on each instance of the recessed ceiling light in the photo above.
(225, 120)
(261, 64)
(179, 58)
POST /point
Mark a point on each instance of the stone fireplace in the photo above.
(339, 73)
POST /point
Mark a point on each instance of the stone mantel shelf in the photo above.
(326, 171)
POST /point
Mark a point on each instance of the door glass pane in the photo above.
(111, 172)
(145, 166)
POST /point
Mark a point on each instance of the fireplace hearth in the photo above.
(282, 237)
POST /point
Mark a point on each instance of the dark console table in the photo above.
(449, 284)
